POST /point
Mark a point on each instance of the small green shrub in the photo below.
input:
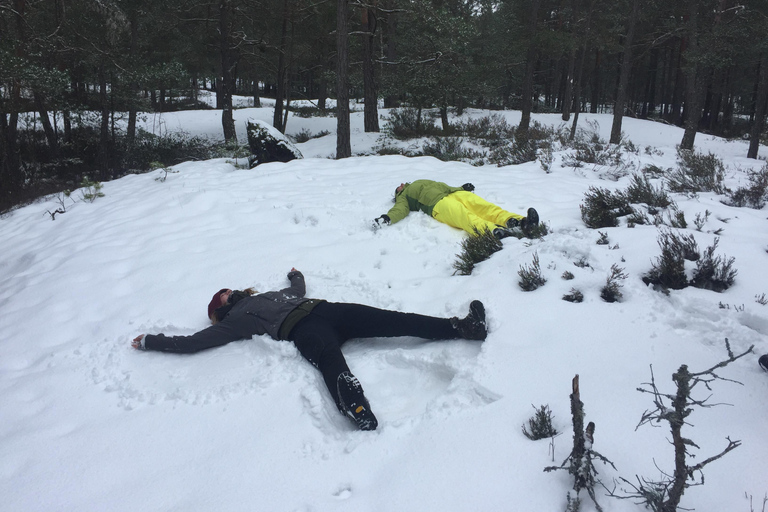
(524, 147)
(712, 272)
(602, 208)
(474, 249)
(668, 271)
(530, 276)
(574, 296)
(641, 190)
(450, 149)
(611, 292)
(91, 190)
(567, 275)
(540, 424)
(697, 172)
(303, 136)
(307, 111)
(489, 131)
(409, 123)
(753, 196)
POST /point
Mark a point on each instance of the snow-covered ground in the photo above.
(88, 423)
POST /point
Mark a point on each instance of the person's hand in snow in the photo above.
(381, 221)
(138, 342)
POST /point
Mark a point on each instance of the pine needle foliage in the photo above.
(668, 271)
(474, 249)
(574, 296)
(540, 424)
(602, 208)
(714, 272)
(530, 276)
(641, 190)
(611, 292)
(697, 172)
(755, 195)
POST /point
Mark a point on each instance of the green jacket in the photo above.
(420, 195)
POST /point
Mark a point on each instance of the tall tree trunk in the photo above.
(760, 108)
(45, 120)
(649, 96)
(133, 87)
(256, 97)
(695, 83)
(595, 99)
(277, 119)
(568, 93)
(530, 66)
(371, 111)
(626, 69)
(225, 26)
(675, 116)
(11, 180)
(390, 48)
(580, 68)
(102, 158)
(343, 143)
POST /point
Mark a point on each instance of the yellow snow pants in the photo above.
(467, 211)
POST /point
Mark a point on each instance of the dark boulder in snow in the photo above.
(267, 144)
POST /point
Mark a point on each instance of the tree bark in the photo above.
(595, 99)
(225, 26)
(580, 68)
(277, 120)
(390, 48)
(343, 143)
(102, 158)
(530, 65)
(568, 94)
(626, 69)
(760, 108)
(695, 86)
(371, 111)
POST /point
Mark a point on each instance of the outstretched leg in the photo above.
(320, 344)
(359, 321)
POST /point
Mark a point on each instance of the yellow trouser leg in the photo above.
(467, 211)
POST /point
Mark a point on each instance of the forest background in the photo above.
(76, 75)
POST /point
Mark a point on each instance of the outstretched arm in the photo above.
(297, 288)
(213, 336)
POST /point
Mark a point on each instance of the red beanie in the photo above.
(215, 301)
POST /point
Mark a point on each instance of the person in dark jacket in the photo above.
(318, 329)
(456, 206)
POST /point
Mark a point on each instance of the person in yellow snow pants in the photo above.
(470, 212)
(457, 207)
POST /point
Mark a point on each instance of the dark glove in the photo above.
(380, 221)
(468, 187)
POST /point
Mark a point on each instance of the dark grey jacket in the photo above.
(255, 315)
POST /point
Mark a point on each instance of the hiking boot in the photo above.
(472, 326)
(763, 361)
(512, 223)
(352, 402)
(530, 221)
(500, 233)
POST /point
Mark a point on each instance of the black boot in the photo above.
(763, 361)
(352, 402)
(472, 326)
(530, 221)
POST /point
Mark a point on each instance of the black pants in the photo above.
(320, 335)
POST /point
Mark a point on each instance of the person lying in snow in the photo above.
(318, 329)
(457, 207)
